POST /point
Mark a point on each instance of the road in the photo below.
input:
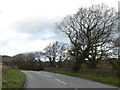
(41, 79)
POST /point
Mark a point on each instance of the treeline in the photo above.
(94, 38)
(23, 61)
(52, 56)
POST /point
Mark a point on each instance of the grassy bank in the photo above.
(106, 80)
(12, 78)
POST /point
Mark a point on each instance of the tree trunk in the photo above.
(50, 59)
(77, 64)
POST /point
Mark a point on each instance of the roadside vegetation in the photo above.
(111, 80)
(12, 78)
(103, 73)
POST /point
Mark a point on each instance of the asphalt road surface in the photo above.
(41, 79)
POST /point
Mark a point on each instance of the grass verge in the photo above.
(106, 80)
(13, 78)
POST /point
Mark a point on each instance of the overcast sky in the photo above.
(28, 25)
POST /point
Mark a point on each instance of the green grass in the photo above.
(106, 80)
(13, 79)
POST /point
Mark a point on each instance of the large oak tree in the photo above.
(89, 31)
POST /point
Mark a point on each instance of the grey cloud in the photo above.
(46, 34)
(49, 34)
(40, 30)
(34, 26)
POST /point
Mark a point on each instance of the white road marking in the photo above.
(60, 81)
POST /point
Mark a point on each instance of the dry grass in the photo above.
(5, 69)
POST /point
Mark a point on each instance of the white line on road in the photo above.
(60, 81)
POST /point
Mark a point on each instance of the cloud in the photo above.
(40, 30)
(36, 29)
(3, 43)
(33, 26)
(27, 36)
(28, 25)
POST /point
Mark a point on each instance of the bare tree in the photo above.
(114, 55)
(34, 60)
(88, 30)
(62, 53)
(56, 52)
(49, 53)
(115, 48)
(39, 57)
